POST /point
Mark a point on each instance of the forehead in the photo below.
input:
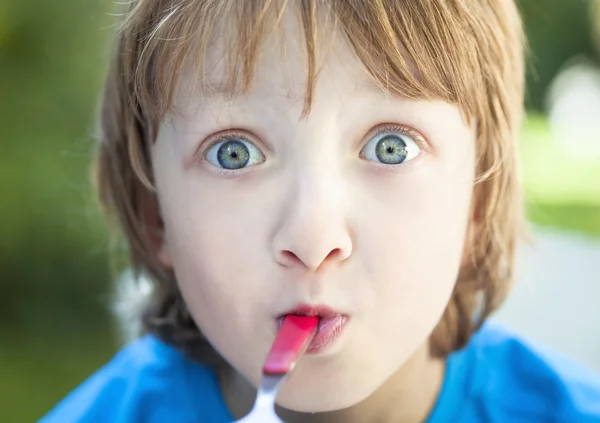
(265, 47)
(280, 68)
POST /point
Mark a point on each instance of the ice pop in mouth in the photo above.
(331, 323)
(292, 340)
(293, 337)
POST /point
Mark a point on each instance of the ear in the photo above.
(154, 228)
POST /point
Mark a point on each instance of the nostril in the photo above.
(336, 252)
(289, 256)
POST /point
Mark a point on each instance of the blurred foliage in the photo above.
(557, 31)
(53, 261)
(54, 273)
(53, 255)
(595, 18)
(560, 190)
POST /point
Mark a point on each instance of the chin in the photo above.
(317, 396)
(320, 403)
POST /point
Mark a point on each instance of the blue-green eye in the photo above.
(391, 148)
(234, 153)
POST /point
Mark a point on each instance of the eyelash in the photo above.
(377, 130)
(401, 129)
(229, 172)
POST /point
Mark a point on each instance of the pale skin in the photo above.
(315, 217)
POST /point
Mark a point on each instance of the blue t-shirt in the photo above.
(498, 377)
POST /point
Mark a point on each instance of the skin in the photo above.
(317, 218)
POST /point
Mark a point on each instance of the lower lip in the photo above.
(329, 329)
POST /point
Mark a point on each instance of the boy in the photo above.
(350, 159)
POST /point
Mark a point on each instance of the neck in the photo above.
(408, 396)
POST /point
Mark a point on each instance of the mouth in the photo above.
(331, 325)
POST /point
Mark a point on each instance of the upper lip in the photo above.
(312, 310)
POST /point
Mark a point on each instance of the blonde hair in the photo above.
(467, 53)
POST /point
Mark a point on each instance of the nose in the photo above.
(313, 231)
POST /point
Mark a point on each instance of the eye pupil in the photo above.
(391, 149)
(233, 155)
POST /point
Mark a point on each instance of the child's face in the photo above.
(308, 213)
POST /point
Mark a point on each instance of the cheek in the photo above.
(216, 248)
(414, 246)
(211, 237)
(217, 253)
(218, 273)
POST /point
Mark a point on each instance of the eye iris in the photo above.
(391, 149)
(233, 155)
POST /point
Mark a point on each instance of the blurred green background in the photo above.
(55, 279)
